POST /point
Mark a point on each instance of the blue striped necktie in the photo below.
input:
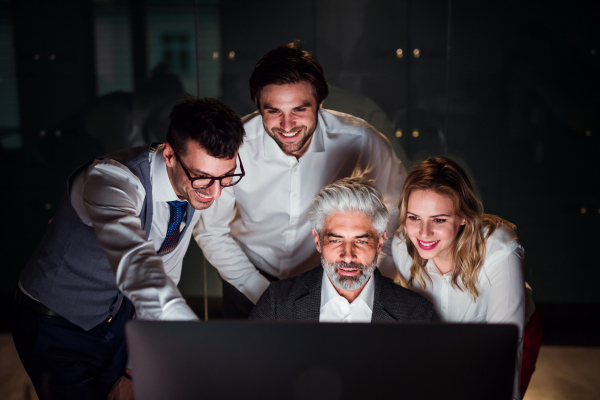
(173, 231)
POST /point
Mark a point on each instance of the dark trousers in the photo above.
(66, 362)
(235, 304)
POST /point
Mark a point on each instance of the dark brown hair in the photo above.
(288, 64)
(210, 123)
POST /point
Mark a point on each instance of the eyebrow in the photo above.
(305, 104)
(202, 173)
(433, 216)
(332, 235)
(366, 235)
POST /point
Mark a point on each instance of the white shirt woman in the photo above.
(501, 284)
(468, 264)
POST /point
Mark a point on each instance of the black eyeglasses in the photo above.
(203, 182)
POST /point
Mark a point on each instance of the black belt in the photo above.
(34, 306)
(37, 307)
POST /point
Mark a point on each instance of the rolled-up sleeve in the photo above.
(212, 233)
(113, 198)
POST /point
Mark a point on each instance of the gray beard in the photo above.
(348, 282)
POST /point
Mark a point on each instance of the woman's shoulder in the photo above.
(501, 244)
(502, 236)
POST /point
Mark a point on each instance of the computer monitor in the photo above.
(266, 360)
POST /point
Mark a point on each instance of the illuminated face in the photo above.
(349, 246)
(433, 227)
(198, 163)
(290, 115)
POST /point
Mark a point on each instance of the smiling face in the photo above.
(290, 115)
(432, 226)
(349, 246)
(199, 163)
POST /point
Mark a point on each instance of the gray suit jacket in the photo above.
(299, 299)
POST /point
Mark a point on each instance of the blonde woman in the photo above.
(468, 264)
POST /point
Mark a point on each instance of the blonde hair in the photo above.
(445, 177)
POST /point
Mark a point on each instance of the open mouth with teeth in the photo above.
(202, 197)
(427, 245)
(289, 135)
(349, 271)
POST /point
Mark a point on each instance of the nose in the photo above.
(214, 190)
(287, 122)
(426, 230)
(347, 254)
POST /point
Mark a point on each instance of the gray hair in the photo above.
(348, 195)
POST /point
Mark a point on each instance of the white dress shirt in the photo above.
(335, 308)
(269, 228)
(501, 287)
(109, 197)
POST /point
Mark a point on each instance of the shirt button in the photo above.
(295, 169)
(294, 195)
(345, 320)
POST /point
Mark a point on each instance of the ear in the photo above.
(317, 240)
(380, 242)
(168, 155)
(321, 106)
(463, 221)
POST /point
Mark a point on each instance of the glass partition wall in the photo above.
(507, 89)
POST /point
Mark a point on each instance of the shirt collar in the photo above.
(162, 190)
(329, 293)
(433, 270)
(316, 145)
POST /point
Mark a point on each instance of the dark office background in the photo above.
(509, 89)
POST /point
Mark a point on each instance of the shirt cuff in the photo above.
(177, 310)
(255, 287)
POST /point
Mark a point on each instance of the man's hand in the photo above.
(123, 388)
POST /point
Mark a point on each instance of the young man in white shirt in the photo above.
(117, 243)
(259, 232)
(349, 221)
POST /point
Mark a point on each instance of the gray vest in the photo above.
(69, 272)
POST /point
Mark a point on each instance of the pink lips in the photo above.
(348, 272)
(427, 247)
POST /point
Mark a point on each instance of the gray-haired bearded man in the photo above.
(348, 220)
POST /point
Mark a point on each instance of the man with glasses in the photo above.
(293, 148)
(115, 246)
